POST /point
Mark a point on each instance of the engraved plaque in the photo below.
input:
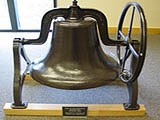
(75, 111)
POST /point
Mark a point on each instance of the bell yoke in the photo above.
(76, 59)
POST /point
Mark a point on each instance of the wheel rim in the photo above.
(134, 49)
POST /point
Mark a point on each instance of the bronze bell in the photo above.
(75, 59)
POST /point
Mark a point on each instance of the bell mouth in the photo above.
(73, 80)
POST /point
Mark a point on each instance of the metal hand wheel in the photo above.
(132, 54)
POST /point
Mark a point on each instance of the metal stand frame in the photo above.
(19, 50)
(18, 78)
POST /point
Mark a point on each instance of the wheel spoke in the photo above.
(127, 54)
(119, 53)
(122, 35)
(134, 52)
(131, 23)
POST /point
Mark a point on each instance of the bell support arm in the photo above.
(45, 25)
(102, 25)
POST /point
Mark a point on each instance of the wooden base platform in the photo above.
(56, 110)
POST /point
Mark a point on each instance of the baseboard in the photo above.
(56, 110)
(113, 30)
(153, 30)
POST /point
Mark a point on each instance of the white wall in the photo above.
(112, 9)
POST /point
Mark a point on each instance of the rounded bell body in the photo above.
(75, 59)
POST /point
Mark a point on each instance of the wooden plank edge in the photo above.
(56, 110)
